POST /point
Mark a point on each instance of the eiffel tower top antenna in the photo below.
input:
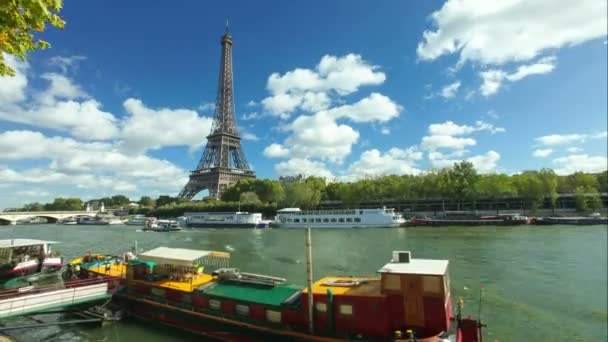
(227, 31)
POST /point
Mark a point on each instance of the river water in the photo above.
(540, 283)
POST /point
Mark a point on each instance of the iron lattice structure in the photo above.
(223, 162)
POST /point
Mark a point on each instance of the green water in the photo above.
(539, 283)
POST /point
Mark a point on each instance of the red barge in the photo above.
(196, 291)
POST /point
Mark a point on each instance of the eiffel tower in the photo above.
(223, 162)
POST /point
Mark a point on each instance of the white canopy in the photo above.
(174, 256)
(417, 266)
(14, 243)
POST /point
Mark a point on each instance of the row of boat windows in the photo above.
(325, 220)
(272, 316)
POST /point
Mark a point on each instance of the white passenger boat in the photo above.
(223, 220)
(137, 220)
(338, 218)
(19, 257)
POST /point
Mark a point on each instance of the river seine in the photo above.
(544, 283)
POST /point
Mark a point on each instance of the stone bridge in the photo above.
(11, 217)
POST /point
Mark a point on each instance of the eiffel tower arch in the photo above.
(223, 162)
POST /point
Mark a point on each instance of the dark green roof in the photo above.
(248, 293)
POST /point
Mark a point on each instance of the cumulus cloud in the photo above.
(147, 128)
(83, 164)
(493, 79)
(309, 89)
(297, 166)
(566, 139)
(276, 151)
(491, 32)
(484, 163)
(580, 162)
(450, 90)
(12, 89)
(66, 63)
(542, 152)
(451, 135)
(373, 163)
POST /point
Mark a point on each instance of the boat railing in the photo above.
(32, 289)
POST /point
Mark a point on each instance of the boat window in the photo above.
(321, 307)
(318, 220)
(289, 220)
(357, 219)
(348, 219)
(341, 219)
(215, 304)
(391, 281)
(333, 220)
(346, 309)
(242, 309)
(325, 220)
(303, 220)
(273, 316)
(360, 212)
(431, 284)
(296, 220)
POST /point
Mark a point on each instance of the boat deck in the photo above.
(120, 271)
(267, 295)
(369, 287)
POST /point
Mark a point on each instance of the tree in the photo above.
(602, 179)
(164, 200)
(549, 181)
(301, 195)
(146, 201)
(494, 185)
(249, 197)
(530, 187)
(18, 21)
(118, 200)
(580, 199)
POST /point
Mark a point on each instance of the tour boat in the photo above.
(137, 220)
(196, 291)
(156, 225)
(19, 257)
(222, 219)
(91, 221)
(68, 221)
(338, 218)
(576, 220)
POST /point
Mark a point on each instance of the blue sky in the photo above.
(122, 101)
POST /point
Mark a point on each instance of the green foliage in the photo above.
(60, 203)
(249, 197)
(494, 186)
(530, 186)
(119, 200)
(549, 180)
(164, 200)
(18, 21)
(587, 198)
(302, 195)
(146, 201)
(602, 179)
(267, 191)
(178, 209)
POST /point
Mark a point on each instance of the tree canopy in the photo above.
(19, 19)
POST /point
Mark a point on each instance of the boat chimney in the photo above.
(401, 257)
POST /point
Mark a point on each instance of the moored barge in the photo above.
(196, 291)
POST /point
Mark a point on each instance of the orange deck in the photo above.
(370, 288)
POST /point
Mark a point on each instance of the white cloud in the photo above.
(251, 116)
(252, 103)
(147, 128)
(484, 163)
(385, 131)
(375, 107)
(449, 135)
(542, 152)
(434, 142)
(309, 89)
(491, 32)
(206, 107)
(574, 149)
(249, 136)
(319, 136)
(580, 162)
(66, 63)
(493, 79)
(86, 165)
(60, 88)
(12, 89)
(450, 90)
(296, 166)
(396, 161)
(276, 151)
(565, 139)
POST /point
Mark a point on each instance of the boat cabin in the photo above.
(25, 256)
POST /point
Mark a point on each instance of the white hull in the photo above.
(338, 226)
(339, 218)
